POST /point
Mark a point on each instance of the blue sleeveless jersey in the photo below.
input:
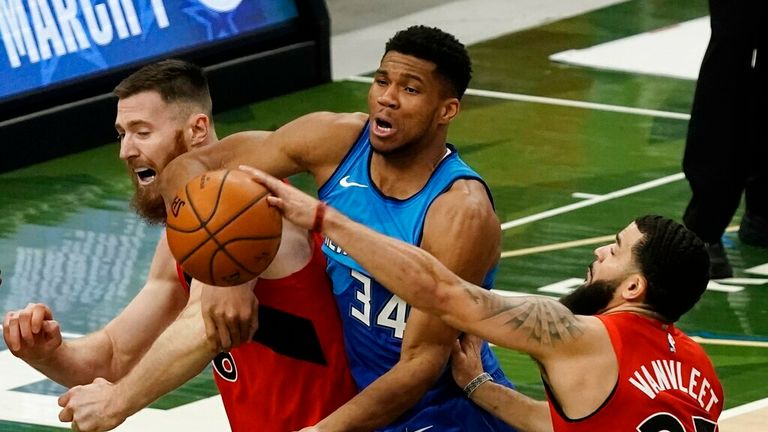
(373, 318)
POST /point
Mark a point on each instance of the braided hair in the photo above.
(675, 263)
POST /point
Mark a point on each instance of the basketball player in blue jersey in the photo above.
(393, 171)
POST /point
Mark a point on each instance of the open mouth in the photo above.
(382, 127)
(145, 175)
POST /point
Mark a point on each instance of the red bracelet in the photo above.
(317, 226)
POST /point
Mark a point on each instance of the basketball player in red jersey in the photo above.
(295, 370)
(293, 373)
(610, 355)
(164, 110)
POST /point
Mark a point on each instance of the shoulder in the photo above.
(466, 201)
(462, 230)
(247, 137)
(471, 190)
(323, 123)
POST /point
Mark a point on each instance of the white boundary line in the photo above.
(744, 409)
(558, 102)
(595, 240)
(592, 201)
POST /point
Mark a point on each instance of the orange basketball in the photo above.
(221, 229)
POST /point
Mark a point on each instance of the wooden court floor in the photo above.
(566, 176)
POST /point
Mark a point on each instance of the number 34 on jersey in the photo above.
(392, 315)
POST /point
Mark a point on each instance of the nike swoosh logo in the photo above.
(344, 182)
(424, 428)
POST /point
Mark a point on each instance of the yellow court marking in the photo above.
(557, 246)
(730, 342)
(571, 244)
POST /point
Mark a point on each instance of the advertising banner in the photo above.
(46, 43)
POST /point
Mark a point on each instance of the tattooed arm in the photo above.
(574, 351)
(537, 325)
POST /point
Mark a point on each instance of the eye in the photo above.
(120, 137)
(411, 90)
(380, 81)
(613, 252)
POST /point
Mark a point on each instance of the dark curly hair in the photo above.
(675, 263)
(175, 80)
(443, 49)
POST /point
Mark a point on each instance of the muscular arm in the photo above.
(574, 351)
(112, 351)
(422, 359)
(515, 408)
(179, 354)
(533, 324)
(315, 143)
(538, 325)
(459, 224)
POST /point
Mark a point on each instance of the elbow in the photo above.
(441, 298)
(444, 295)
(428, 294)
(435, 296)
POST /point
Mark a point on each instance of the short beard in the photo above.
(591, 298)
(147, 200)
(148, 203)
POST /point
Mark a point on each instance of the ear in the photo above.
(634, 287)
(200, 129)
(450, 110)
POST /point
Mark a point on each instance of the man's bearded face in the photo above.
(147, 200)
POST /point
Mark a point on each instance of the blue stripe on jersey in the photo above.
(373, 318)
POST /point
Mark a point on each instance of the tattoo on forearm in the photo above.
(545, 320)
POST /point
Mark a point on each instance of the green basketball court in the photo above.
(571, 153)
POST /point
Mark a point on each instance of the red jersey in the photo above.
(294, 372)
(666, 382)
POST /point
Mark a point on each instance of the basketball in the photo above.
(221, 230)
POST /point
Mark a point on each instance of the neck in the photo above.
(640, 309)
(402, 175)
(210, 139)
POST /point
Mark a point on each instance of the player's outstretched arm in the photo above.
(312, 143)
(33, 335)
(538, 325)
(458, 222)
(180, 353)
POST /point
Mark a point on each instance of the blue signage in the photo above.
(51, 42)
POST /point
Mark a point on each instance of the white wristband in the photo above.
(477, 382)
